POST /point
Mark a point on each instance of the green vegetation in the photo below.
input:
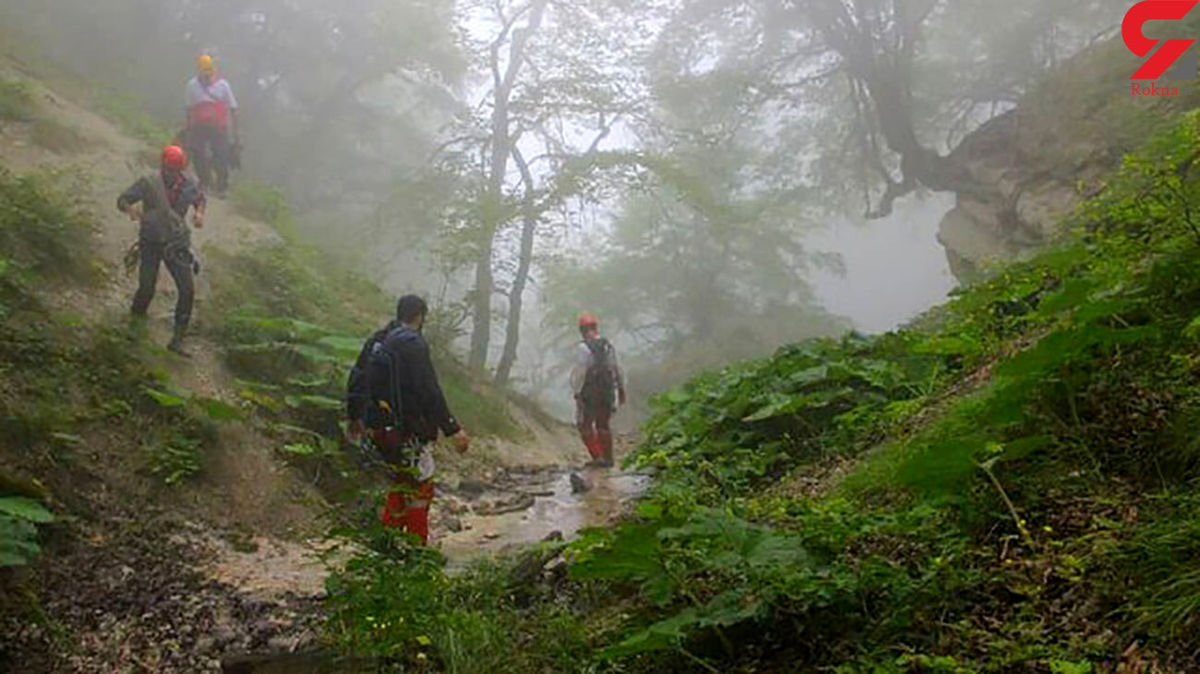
(1006, 484)
(292, 324)
(19, 518)
(57, 137)
(130, 115)
(16, 101)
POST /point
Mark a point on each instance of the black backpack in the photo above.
(600, 381)
(372, 393)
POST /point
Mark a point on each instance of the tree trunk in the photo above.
(516, 295)
(502, 144)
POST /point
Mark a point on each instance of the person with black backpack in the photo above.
(395, 404)
(599, 389)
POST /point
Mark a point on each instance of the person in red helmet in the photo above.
(599, 389)
(159, 202)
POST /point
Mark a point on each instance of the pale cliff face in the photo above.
(1039, 160)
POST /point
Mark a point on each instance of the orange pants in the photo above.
(407, 505)
(592, 421)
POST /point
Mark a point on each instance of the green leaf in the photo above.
(650, 511)
(678, 396)
(26, 509)
(301, 449)
(219, 410)
(165, 399)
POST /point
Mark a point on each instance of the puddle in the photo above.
(555, 508)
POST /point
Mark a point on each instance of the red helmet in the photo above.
(588, 321)
(173, 157)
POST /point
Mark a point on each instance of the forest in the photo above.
(900, 290)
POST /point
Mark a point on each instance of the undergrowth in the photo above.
(291, 326)
(1008, 485)
(61, 382)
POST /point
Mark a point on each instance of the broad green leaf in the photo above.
(26, 509)
(219, 410)
(163, 398)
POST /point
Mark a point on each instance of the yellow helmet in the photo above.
(204, 63)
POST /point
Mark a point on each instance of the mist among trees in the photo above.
(660, 163)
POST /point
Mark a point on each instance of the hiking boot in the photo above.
(176, 344)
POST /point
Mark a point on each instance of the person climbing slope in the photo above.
(212, 129)
(395, 402)
(159, 202)
(599, 388)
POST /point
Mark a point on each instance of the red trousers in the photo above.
(407, 507)
(592, 421)
(407, 504)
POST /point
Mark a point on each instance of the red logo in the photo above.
(1138, 43)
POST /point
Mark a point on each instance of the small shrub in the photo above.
(176, 459)
(19, 518)
(17, 102)
(259, 201)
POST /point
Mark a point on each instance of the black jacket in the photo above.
(415, 384)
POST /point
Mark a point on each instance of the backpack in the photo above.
(600, 381)
(372, 393)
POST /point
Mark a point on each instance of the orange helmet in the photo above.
(174, 158)
(588, 321)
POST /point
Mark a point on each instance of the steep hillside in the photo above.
(189, 497)
(1007, 485)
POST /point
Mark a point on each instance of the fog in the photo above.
(713, 178)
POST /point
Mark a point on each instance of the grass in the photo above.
(131, 116)
(58, 137)
(17, 103)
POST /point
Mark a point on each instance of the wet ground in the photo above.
(524, 507)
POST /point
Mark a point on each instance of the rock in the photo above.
(205, 644)
(282, 644)
(512, 504)
(491, 536)
(454, 524)
(553, 537)
(579, 484)
(472, 488)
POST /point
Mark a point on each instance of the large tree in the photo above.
(875, 92)
(557, 83)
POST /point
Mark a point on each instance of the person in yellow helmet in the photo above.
(212, 128)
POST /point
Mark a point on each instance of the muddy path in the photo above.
(524, 507)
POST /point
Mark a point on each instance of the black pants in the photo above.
(178, 259)
(209, 147)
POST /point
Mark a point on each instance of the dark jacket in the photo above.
(156, 227)
(423, 407)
